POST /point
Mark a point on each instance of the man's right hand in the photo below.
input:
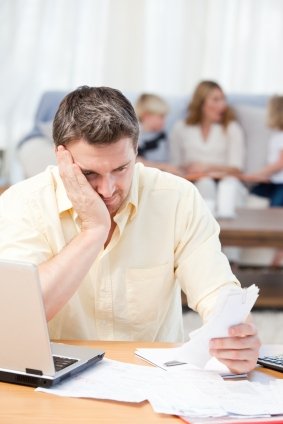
(89, 206)
(73, 262)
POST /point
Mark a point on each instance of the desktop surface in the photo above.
(20, 404)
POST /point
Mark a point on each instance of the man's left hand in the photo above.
(239, 351)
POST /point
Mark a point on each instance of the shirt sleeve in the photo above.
(236, 146)
(200, 266)
(20, 235)
(176, 144)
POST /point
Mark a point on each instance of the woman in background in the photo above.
(209, 147)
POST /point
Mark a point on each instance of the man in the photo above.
(114, 241)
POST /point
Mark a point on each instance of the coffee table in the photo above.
(253, 228)
(257, 228)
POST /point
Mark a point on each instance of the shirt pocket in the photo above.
(148, 294)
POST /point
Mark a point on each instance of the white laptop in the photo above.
(26, 355)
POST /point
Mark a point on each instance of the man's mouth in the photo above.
(109, 200)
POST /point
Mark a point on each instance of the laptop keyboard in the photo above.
(60, 362)
(274, 362)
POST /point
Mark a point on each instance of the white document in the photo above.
(109, 379)
(248, 400)
(187, 392)
(233, 306)
(208, 397)
(191, 393)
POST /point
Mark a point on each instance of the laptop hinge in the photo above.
(32, 371)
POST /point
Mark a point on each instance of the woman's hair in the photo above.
(150, 103)
(275, 112)
(194, 112)
(99, 115)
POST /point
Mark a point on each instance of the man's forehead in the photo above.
(104, 166)
(102, 158)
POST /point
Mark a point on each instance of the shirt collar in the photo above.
(63, 201)
(131, 203)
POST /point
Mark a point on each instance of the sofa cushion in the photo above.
(253, 121)
(46, 129)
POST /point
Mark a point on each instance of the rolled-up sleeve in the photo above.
(200, 266)
(20, 236)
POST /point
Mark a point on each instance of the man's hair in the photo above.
(275, 112)
(194, 113)
(98, 115)
(150, 103)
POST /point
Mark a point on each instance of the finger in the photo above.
(235, 355)
(242, 357)
(65, 161)
(227, 343)
(81, 178)
(246, 342)
(68, 170)
(64, 157)
(242, 360)
(238, 367)
(242, 330)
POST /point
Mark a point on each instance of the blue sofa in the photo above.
(35, 151)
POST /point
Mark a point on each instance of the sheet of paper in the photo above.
(188, 391)
(233, 306)
(208, 397)
(109, 380)
(191, 393)
(246, 400)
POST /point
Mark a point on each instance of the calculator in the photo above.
(275, 362)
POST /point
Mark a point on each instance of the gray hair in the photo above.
(99, 115)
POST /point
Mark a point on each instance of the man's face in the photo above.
(108, 169)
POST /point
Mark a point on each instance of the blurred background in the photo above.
(163, 46)
(160, 46)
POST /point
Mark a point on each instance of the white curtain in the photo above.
(165, 46)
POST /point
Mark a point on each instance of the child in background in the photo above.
(153, 149)
(270, 177)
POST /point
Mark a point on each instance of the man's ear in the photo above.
(56, 147)
(136, 150)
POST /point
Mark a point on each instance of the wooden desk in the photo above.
(22, 405)
(253, 228)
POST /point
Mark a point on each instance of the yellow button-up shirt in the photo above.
(165, 239)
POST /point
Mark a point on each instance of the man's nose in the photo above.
(106, 186)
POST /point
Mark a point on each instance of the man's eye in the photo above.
(123, 168)
(89, 174)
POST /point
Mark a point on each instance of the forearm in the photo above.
(163, 166)
(229, 170)
(264, 174)
(209, 168)
(271, 169)
(62, 275)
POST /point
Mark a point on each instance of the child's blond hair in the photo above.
(150, 103)
(275, 112)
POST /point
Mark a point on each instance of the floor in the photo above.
(269, 324)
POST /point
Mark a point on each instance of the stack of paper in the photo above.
(189, 393)
(233, 306)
